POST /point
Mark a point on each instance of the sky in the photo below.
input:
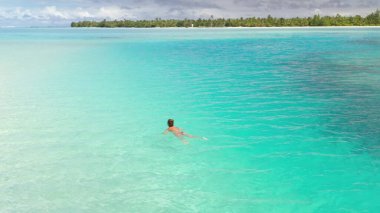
(63, 12)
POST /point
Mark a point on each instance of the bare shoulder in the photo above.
(173, 129)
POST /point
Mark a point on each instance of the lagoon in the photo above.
(292, 116)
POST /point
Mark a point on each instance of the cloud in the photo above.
(195, 4)
(112, 13)
(53, 13)
(307, 4)
(335, 4)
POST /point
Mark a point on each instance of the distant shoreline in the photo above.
(274, 27)
(240, 27)
(372, 19)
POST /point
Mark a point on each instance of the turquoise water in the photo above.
(292, 117)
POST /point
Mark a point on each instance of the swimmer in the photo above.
(179, 133)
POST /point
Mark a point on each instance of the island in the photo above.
(372, 19)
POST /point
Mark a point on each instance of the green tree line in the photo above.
(372, 19)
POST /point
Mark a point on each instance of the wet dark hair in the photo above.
(170, 122)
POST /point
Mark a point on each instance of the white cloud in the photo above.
(16, 13)
(317, 12)
(52, 12)
(113, 13)
(57, 14)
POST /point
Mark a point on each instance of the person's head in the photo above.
(170, 122)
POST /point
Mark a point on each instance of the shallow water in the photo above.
(292, 117)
